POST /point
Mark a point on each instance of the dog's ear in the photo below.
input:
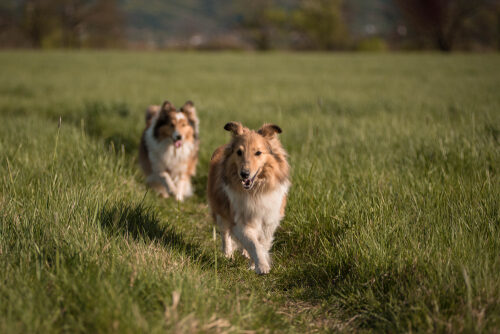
(235, 127)
(188, 107)
(190, 111)
(167, 106)
(269, 130)
(164, 116)
(151, 112)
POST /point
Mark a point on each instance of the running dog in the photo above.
(248, 184)
(168, 151)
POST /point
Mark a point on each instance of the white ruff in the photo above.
(164, 156)
(262, 208)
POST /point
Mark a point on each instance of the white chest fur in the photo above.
(262, 208)
(164, 156)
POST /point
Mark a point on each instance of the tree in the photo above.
(72, 23)
(11, 32)
(321, 23)
(36, 21)
(441, 21)
(104, 25)
(261, 19)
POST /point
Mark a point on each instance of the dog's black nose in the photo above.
(245, 173)
(177, 137)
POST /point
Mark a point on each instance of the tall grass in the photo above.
(393, 220)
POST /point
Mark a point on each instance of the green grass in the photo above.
(393, 221)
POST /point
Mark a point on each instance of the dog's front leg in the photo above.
(181, 189)
(247, 234)
(268, 229)
(155, 181)
(225, 233)
(168, 182)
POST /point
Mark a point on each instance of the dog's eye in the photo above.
(239, 152)
(258, 153)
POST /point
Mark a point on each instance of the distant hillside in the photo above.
(161, 22)
(158, 23)
(379, 17)
(258, 24)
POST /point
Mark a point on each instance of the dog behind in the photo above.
(168, 152)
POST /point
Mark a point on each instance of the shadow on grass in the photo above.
(122, 142)
(366, 291)
(111, 122)
(142, 224)
(315, 281)
(313, 272)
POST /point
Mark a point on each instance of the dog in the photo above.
(247, 190)
(168, 151)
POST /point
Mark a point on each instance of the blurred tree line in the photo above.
(417, 24)
(450, 24)
(260, 24)
(307, 24)
(61, 23)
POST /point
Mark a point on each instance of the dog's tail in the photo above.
(151, 112)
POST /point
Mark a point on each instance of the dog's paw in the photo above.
(245, 254)
(179, 197)
(263, 269)
(251, 266)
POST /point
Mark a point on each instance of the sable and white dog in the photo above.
(247, 188)
(168, 152)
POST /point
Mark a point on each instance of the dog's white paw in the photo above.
(263, 269)
(245, 254)
(228, 255)
(179, 197)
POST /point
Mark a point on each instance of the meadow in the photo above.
(392, 224)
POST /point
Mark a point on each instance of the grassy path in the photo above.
(393, 222)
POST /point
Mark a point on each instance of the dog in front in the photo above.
(168, 151)
(248, 184)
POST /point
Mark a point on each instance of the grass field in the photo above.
(393, 221)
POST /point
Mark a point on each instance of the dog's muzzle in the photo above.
(248, 182)
(177, 138)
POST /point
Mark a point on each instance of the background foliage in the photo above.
(278, 24)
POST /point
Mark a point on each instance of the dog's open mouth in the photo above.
(248, 182)
(178, 143)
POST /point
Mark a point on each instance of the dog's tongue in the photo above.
(178, 143)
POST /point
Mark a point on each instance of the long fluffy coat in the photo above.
(168, 152)
(248, 184)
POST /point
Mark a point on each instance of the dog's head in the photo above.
(252, 155)
(173, 125)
